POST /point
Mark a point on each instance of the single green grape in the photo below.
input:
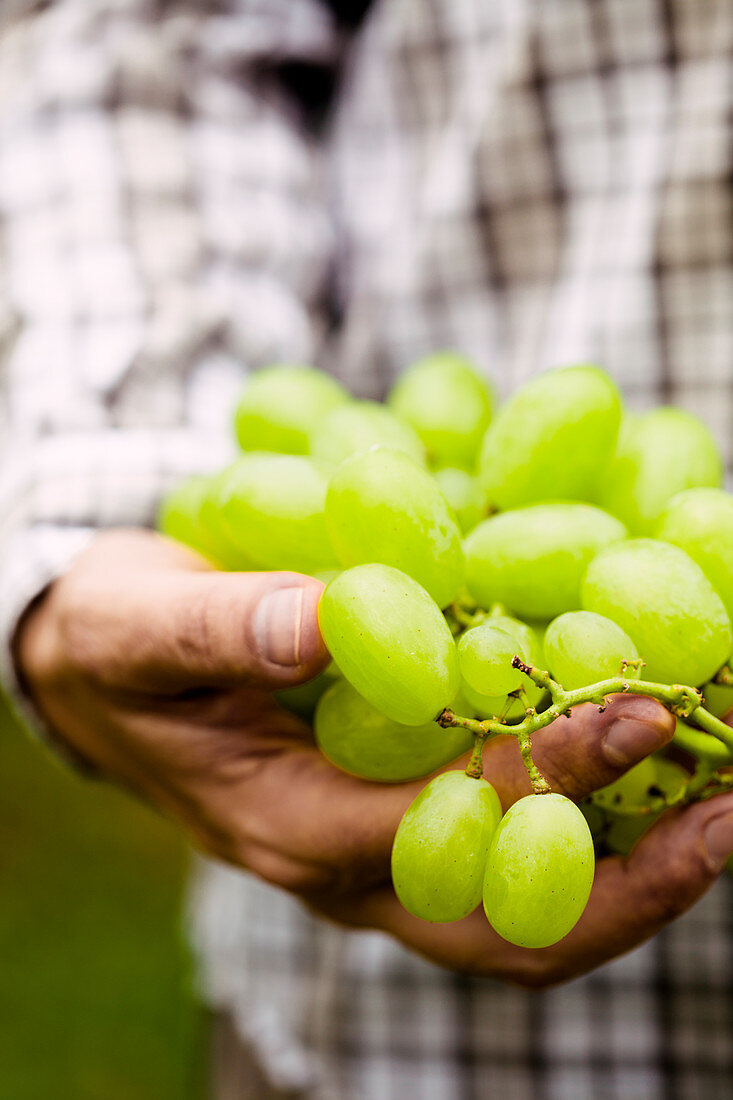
(539, 872)
(624, 830)
(630, 790)
(448, 404)
(359, 426)
(271, 507)
(528, 643)
(185, 516)
(700, 522)
(485, 658)
(582, 648)
(303, 698)
(179, 516)
(231, 556)
(652, 778)
(533, 559)
(282, 405)
(659, 454)
(718, 699)
(552, 439)
(382, 506)
(666, 605)
(441, 846)
(391, 642)
(508, 708)
(670, 778)
(526, 636)
(359, 739)
(464, 495)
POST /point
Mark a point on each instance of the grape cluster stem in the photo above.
(724, 676)
(685, 702)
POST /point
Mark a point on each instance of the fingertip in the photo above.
(717, 839)
(682, 854)
(637, 726)
(641, 708)
(285, 625)
(311, 648)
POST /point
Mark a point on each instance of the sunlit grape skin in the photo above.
(272, 507)
(441, 846)
(303, 698)
(582, 648)
(179, 516)
(359, 739)
(357, 427)
(391, 642)
(700, 522)
(539, 871)
(527, 644)
(464, 495)
(533, 559)
(664, 602)
(281, 406)
(187, 515)
(485, 656)
(525, 455)
(230, 554)
(659, 454)
(382, 506)
(718, 699)
(448, 404)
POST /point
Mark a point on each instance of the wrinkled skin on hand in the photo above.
(159, 671)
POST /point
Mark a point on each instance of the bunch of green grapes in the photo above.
(485, 570)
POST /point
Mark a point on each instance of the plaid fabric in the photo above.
(531, 182)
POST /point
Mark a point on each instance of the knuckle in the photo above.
(218, 837)
(198, 630)
(287, 873)
(238, 838)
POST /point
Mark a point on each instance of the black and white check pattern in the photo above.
(535, 182)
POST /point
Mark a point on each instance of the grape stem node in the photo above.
(683, 701)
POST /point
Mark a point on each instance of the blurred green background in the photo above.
(96, 990)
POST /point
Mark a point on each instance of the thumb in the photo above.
(585, 751)
(175, 629)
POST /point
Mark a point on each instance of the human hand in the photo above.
(159, 671)
(675, 862)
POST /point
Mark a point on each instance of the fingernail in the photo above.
(717, 840)
(629, 740)
(277, 624)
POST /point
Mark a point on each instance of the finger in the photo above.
(260, 794)
(583, 752)
(667, 872)
(169, 629)
(342, 828)
(256, 793)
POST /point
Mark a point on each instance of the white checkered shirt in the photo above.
(188, 190)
